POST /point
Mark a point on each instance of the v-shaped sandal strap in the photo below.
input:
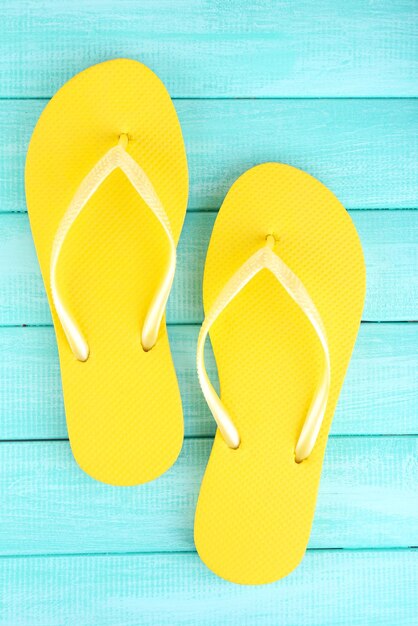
(116, 157)
(265, 258)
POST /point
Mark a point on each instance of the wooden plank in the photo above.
(389, 238)
(368, 498)
(217, 49)
(366, 151)
(380, 395)
(328, 588)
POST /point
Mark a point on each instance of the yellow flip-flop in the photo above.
(284, 288)
(106, 187)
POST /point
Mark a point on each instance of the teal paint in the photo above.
(380, 394)
(389, 239)
(364, 150)
(208, 48)
(368, 499)
(328, 588)
(328, 87)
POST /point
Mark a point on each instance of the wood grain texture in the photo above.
(389, 239)
(380, 394)
(230, 57)
(217, 49)
(368, 498)
(365, 151)
(327, 589)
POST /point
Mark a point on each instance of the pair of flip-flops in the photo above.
(284, 284)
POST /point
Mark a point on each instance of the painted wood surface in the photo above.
(329, 87)
(217, 49)
(389, 239)
(368, 498)
(380, 394)
(365, 151)
(328, 589)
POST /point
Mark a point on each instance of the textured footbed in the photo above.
(256, 504)
(123, 407)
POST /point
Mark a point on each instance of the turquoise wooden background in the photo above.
(326, 85)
